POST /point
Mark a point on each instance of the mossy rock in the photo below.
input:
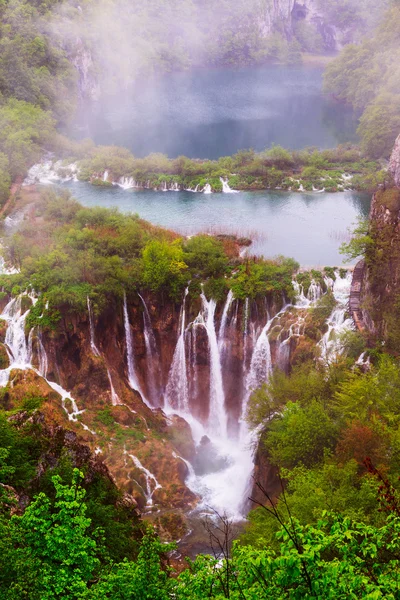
(3, 330)
(26, 303)
(390, 199)
(4, 359)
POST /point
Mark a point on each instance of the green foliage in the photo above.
(300, 435)
(164, 267)
(360, 241)
(367, 76)
(337, 558)
(206, 256)
(255, 279)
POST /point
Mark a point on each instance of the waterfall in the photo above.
(151, 482)
(196, 189)
(15, 340)
(301, 300)
(152, 358)
(260, 369)
(43, 360)
(217, 420)
(207, 189)
(224, 319)
(127, 183)
(95, 349)
(314, 292)
(330, 345)
(105, 176)
(177, 390)
(225, 187)
(114, 396)
(133, 382)
(164, 187)
(193, 363)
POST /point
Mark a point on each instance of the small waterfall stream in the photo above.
(177, 391)
(133, 381)
(152, 357)
(151, 482)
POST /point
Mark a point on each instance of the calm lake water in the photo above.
(308, 227)
(213, 113)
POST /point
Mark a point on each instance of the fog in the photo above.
(187, 76)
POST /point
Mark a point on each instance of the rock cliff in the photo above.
(394, 163)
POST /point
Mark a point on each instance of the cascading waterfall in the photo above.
(133, 382)
(224, 320)
(114, 396)
(207, 189)
(42, 354)
(152, 358)
(246, 315)
(20, 353)
(217, 420)
(151, 482)
(127, 183)
(15, 339)
(225, 187)
(177, 391)
(105, 176)
(330, 345)
(260, 370)
(314, 292)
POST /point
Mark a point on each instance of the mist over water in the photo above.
(214, 113)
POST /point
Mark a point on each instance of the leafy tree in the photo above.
(300, 435)
(164, 267)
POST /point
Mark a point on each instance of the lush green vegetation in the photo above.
(320, 427)
(53, 549)
(367, 76)
(334, 170)
(67, 253)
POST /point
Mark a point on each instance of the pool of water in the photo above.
(309, 227)
(213, 113)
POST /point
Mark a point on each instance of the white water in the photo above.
(20, 354)
(224, 320)
(126, 183)
(259, 373)
(177, 390)
(114, 396)
(217, 419)
(50, 172)
(225, 187)
(330, 345)
(105, 176)
(207, 189)
(133, 381)
(152, 358)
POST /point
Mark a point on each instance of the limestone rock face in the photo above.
(278, 15)
(394, 164)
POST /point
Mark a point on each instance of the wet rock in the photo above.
(4, 359)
